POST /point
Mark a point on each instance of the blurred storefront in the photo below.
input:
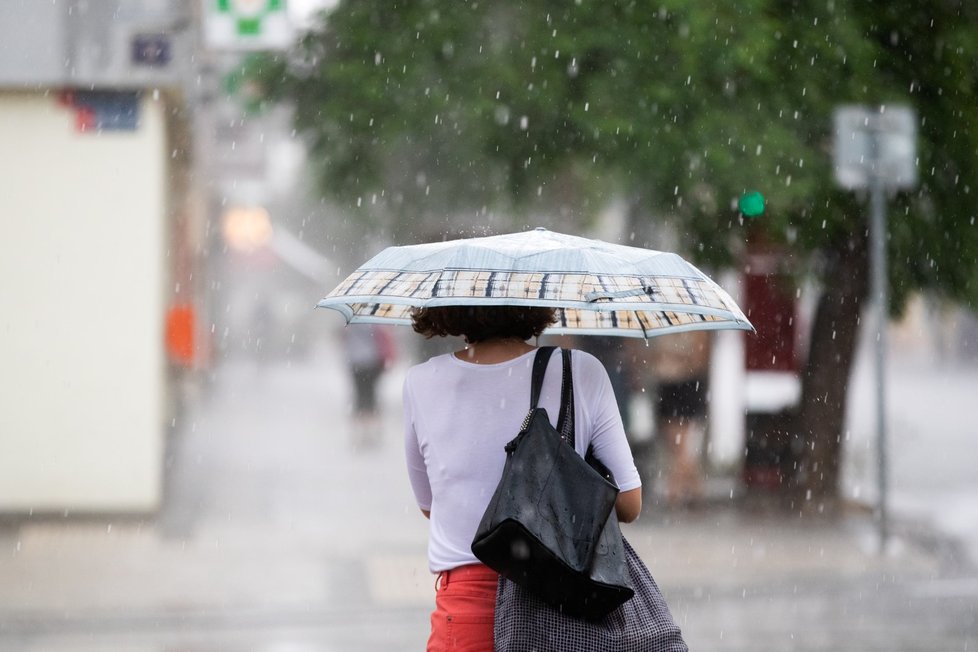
(101, 222)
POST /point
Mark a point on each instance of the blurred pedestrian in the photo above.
(616, 356)
(369, 351)
(681, 363)
(460, 410)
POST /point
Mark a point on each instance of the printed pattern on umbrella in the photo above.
(585, 303)
(639, 323)
(420, 288)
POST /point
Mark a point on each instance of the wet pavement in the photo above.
(280, 533)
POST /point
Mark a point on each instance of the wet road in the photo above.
(280, 535)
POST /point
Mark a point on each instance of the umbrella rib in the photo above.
(690, 292)
(641, 323)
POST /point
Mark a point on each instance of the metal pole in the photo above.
(878, 285)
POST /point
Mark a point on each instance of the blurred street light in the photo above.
(246, 229)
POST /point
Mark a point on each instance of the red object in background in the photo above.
(84, 119)
(770, 301)
(180, 326)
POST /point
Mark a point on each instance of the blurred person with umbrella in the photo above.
(462, 408)
(681, 365)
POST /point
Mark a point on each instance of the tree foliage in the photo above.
(680, 106)
(685, 105)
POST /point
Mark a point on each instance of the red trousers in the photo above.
(465, 601)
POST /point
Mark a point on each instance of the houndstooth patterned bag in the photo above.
(523, 623)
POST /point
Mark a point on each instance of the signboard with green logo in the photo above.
(246, 25)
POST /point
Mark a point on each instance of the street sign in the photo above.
(875, 141)
(246, 25)
(875, 149)
(151, 49)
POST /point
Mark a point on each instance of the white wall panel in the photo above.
(82, 276)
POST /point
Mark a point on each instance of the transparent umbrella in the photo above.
(598, 288)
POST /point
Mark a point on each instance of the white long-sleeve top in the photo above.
(459, 415)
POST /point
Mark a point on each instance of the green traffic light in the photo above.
(752, 204)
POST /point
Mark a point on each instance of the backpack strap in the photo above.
(539, 369)
(565, 418)
(565, 422)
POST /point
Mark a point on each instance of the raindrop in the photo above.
(524, 123)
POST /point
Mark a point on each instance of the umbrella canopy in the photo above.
(598, 288)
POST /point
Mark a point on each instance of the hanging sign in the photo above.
(246, 25)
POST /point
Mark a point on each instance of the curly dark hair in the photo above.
(481, 323)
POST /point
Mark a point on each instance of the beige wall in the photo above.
(82, 282)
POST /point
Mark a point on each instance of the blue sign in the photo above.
(151, 50)
(106, 110)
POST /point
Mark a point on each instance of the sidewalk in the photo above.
(277, 535)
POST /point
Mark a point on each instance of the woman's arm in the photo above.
(628, 505)
(417, 469)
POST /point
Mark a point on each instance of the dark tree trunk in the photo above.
(825, 377)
